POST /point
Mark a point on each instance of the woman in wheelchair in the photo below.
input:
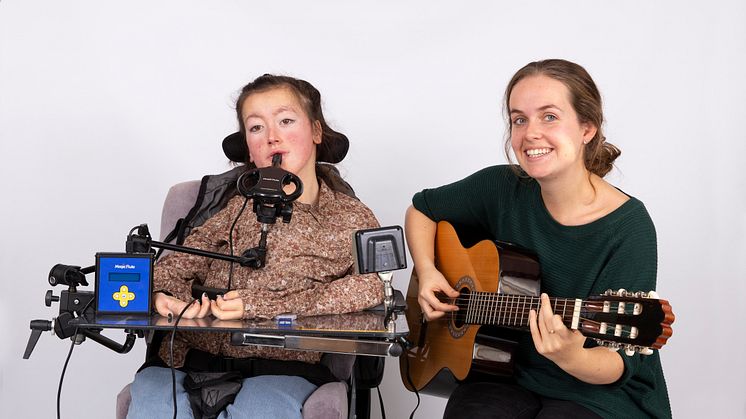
(308, 267)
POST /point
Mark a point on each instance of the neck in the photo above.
(566, 197)
(310, 193)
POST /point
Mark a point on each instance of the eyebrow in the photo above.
(543, 108)
(283, 109)
(278, 111)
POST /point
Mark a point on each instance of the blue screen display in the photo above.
(120, 277)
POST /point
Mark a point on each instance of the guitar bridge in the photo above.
(484, 353)
(492, 354)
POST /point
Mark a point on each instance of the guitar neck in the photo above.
(512, 310)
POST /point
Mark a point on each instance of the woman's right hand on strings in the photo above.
(431, 282)
(165, 305)
(420, 232)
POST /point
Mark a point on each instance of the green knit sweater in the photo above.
(616, 251)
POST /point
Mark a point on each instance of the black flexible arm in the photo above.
(142, 244)
(121, 348)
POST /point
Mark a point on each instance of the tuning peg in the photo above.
(642, 350)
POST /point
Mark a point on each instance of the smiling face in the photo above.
(276, 123)
(546, 135)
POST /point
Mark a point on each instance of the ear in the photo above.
(317, 132)
(589, 131)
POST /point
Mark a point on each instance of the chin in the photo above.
(535, 172)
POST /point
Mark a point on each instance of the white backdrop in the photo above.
(104, 105)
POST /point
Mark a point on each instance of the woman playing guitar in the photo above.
(588, 235)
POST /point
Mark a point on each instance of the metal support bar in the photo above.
(320, 344)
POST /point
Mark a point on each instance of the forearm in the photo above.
(594, 366)
(348, 294)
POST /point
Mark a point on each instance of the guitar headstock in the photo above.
(633, 321)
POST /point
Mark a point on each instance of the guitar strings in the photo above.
(488, 307)
(523, 322)
(610, 331)
(513, 300)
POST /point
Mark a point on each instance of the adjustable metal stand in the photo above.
(388, 299)
(73, 303)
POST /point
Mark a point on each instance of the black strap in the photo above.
(210, 392)
(172, 235)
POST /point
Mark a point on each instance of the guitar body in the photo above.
(446, 350)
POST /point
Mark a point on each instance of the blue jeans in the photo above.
(265, 396)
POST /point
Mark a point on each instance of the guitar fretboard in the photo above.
(487, 308)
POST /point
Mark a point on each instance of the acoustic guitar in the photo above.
(450, 346)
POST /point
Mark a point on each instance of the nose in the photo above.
(272, 136)
(533, 130)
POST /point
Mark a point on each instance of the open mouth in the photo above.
(538, 152)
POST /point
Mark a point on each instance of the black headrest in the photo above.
(331, 150)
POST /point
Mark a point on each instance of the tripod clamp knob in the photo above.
(50, 298)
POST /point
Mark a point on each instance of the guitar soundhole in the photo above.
(459, 316)
(457, 325)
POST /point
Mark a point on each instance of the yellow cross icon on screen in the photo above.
(124, 296)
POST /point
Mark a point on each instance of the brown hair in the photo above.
(334, 145)
(585, 99)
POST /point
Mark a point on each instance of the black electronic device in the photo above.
(124, 283)
(379, 250)
(266, 186)
(211, 292)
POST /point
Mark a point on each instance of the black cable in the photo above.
(64, 368)
(173, 333)
(67, 360)
(414, 389)
(171, 356)
(380, 402)
(230, 240)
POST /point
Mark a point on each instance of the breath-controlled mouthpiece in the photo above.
(266, 186)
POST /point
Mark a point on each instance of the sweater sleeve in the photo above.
(347, 294)
(633, 267)
(175, 273)
(472, 201)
